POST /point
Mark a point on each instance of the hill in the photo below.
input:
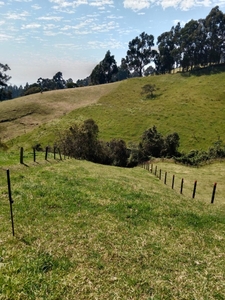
(191, 105)
(88, 231)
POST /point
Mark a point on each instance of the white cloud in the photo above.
(52, 18)
(100, 3)
(31, 26)
(19, 16)
(137, 5)
(2, 3)
(111, 44)
(66, 4)
(182, 4)
(25, 1)
(36, 6)
(50, 27)
(4, 37)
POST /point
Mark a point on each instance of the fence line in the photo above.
(182, 183)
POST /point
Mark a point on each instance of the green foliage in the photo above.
(148, 90)
(4, 78)
(82, 142)
(104, 71)
(32, 89)
(199, 157)
(119, 153)
(193, 158)
(154, 144)
(140, 53)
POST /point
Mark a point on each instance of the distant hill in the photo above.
(191, 104)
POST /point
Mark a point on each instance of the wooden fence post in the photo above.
(214, 192)
(165, 177)
(160, 174)
(60, 154)
(181, 186)
(10, 201)
(46, 153)
(173, 179)
(155, 170)
(21, 155)
(194, 190)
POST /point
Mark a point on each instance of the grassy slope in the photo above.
(27, 116)
(85, 231)
(192, 106)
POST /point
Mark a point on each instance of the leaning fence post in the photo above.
(155, 170)
(181, 186)
(214, 192)
(10, 201)
(21, 155)
(160, 174)
(194, 190)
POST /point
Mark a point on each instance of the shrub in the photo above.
(118, 153)
(154, 144)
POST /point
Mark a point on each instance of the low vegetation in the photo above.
(89, 231)
(192, 106)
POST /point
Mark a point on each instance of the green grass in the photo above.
(88, 231)
(192, 106)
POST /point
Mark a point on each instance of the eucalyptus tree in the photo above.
(4, 78)
(188, 44)
(59, 81)
(140, 53)
(166, 45)
(215, 26)
(103, 72)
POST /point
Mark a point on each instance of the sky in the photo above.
(39, 38)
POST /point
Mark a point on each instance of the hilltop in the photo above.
(191, 105)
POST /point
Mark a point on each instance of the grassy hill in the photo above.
(193, 106)
(88, 231)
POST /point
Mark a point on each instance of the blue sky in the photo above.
(41, 37)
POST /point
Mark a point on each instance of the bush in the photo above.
(118, 153)
(193, 158)
(154, 144)
(81, 142)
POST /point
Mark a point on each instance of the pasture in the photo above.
(88, 231)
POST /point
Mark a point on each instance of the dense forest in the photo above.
(197, 44)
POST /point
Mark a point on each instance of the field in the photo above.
(193, 106)
(89, 231)
(86, 231)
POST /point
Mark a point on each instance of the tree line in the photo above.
(198, 44)
(81, 141)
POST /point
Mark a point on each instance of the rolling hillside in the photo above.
(193, 106)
